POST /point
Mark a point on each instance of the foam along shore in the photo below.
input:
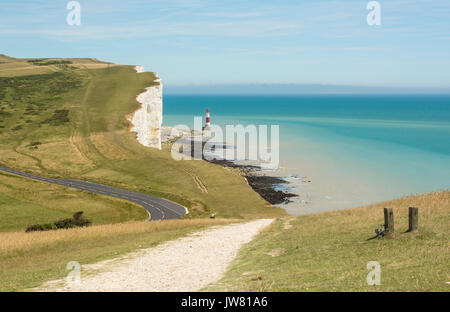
(147, 120)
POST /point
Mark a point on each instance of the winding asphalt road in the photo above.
(158, 208)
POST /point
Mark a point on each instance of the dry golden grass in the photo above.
(434, 208)
(23, 69)
(20, 241)
(329, 251)
(104, 143)
(18, 160)
(430, 204)
(29, 259)
(11, 67)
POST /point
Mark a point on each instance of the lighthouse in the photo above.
(208, 121)
(207, 128)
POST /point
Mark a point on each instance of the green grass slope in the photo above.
(330, 251)
(24, 202)
(67, 118)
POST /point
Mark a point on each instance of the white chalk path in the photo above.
(185, 264)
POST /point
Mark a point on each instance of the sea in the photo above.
(340, 151)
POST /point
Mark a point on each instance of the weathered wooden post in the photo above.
(413, 219)
(388, 221)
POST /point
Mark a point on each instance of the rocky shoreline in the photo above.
(263, 184)
(147, 123)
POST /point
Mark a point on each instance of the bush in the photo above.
(41, 227)
(44, 62)
(59, 117)
(76, 221)
(71, 223)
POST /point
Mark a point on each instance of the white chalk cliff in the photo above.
(139, 69)
(147, 120)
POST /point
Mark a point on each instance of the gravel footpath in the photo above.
(185, 264)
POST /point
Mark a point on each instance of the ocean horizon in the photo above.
(340, 151)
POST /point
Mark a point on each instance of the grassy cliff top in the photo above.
(13, 67)
(67, 118)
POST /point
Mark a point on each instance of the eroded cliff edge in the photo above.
(147, 120)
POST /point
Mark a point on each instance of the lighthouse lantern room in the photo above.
(208, 121)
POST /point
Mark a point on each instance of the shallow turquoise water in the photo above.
(355, 149)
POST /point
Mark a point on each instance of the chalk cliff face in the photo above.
(147, 120)
(139, 69)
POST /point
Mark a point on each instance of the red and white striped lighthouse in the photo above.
(208, 121)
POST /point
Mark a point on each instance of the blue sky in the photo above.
(213, 42)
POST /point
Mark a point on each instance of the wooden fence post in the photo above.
(413, 219)
(388, 221)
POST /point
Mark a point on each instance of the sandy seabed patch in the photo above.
(185, 264)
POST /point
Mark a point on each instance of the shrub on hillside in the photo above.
(41, 227)
(76, 221)
(59, 117)
(71, 223)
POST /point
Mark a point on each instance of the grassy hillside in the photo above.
(12, 67)
(24, 202)
(28, 259)
(330, 251)
(66, 118)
